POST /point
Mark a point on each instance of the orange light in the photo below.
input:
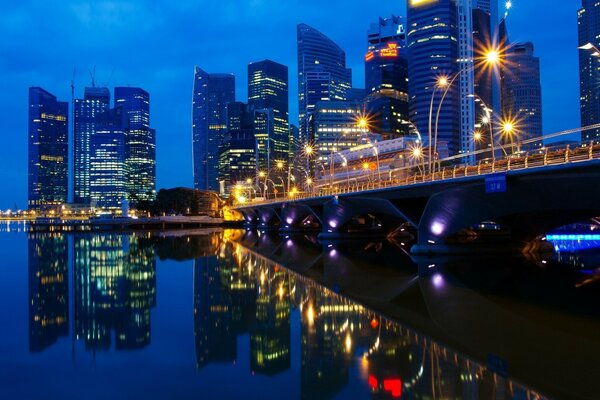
(370, 55)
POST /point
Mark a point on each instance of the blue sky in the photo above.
(155, 44)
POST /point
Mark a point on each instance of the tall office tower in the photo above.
(48, 158)
(433, 51)
(386, 78)
(467, 77)
(522, 93)
(322, 72)
(588, 20)
(268, 96)
(212, 93)
(96, 100)
(107, 160)
(335, 128)
(140, 144)
(237, 153)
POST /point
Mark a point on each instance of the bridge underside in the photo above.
(442, 213)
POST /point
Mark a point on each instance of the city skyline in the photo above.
(172, 121)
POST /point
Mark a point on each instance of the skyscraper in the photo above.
(322, 72)
(386, 77)
(268, 96)
(237, 154)
(588, 21)
(433, 51)
(335, 128)
(48, 150)
(140, 143)
(96, 100)
(212, 93)
(522, 97)
(107, 160)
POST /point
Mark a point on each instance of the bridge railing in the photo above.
(406, 176)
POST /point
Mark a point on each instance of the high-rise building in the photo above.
(522, 93)
(335, 127)
(433, 52)
(386, 77)
(48, 157)
(322, 72)
(588, 21)
(440, 41)
(268, 96)
(108, 187)
(212, 93)
(96, 100)
(237, 154)
(140, 143)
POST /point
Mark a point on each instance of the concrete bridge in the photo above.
(524, 198)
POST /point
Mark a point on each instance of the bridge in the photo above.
(519, 198)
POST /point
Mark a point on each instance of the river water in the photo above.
(237, 314)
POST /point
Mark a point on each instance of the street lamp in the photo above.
(491, 58)
(486, 120)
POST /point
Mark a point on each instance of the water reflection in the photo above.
(114, 288)
(368, 321)
(239, 290)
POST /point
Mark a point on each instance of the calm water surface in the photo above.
(237, 314)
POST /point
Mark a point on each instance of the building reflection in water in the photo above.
(48, 290)
(113, 289)
(236, 290)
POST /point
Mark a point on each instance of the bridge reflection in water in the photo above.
(370, 316)
(354, 302)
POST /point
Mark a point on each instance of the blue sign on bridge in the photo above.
(495, 184)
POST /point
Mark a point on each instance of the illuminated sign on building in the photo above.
(419, 3)
(370, 55)
(391, 51)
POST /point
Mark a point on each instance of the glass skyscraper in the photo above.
(322, 72)
(238, 151)
(212, 93)
(433, 52)
(268, 96)
(522, 92)
(140, 143)
(96, 100)
(588, 21)
(48, 150)
(107, 160)
(386, 78)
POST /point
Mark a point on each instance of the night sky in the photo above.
(155, 45)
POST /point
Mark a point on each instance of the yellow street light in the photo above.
(308, 150)
(309, 181)
(477, 136)
(365, 165)
(417, 152)
(249, 181)
(262, 174)
(279, 164)
(508, 127)
(362, 123)
(442, 81)
(492, 57)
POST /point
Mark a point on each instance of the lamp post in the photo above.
(487, 121)
(492, 58)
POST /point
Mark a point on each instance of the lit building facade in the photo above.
(96, 100)
(433, 51)
(140, 143)
(48, 150)
(212, 93)
(522, 94)
(268, 96)
(588, 21)
(238, 152)
(335, 127)
(386, 78)
(108, 187)
(322, 72)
